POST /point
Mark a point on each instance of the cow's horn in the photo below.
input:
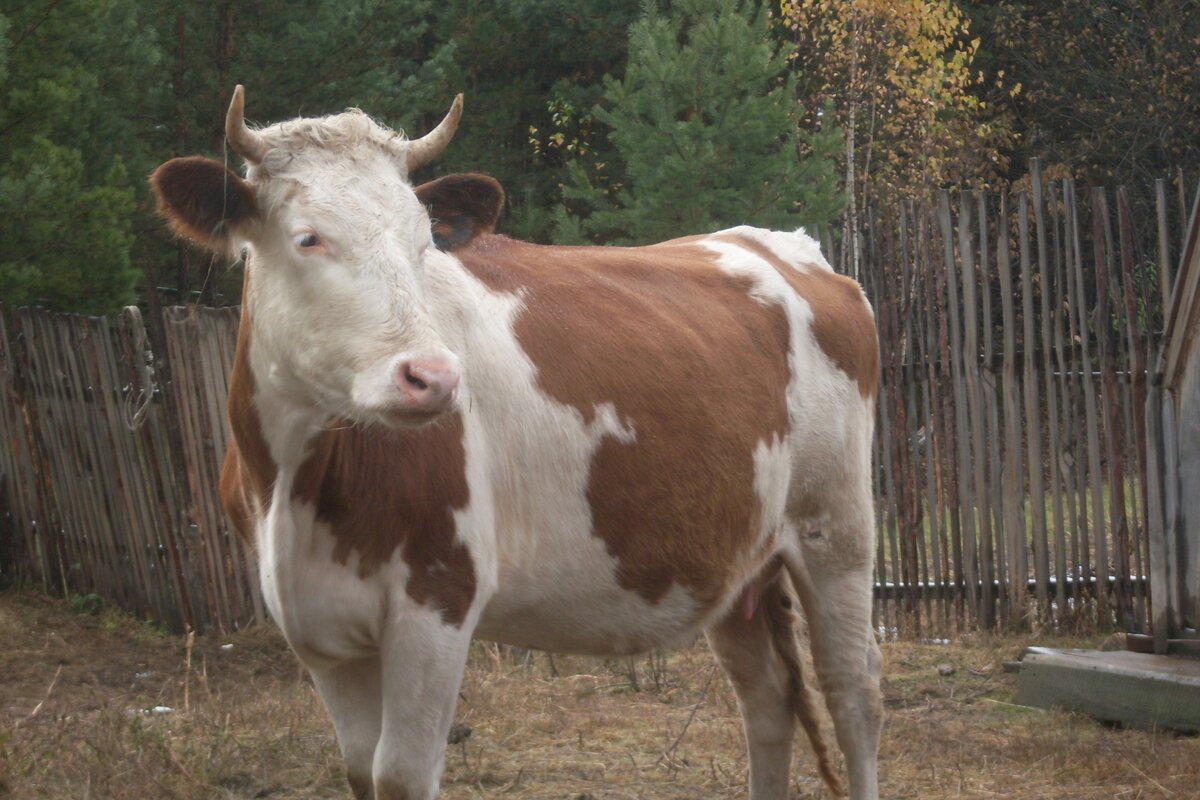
(245, 142)
(424, 150)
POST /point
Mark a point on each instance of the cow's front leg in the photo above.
(353, 695)
(422, 661)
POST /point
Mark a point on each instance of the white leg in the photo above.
(834, 580)
(759, 677)
(762, 659)
(353, 695)
(423, 661)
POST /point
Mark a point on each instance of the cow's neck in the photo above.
(267, 443)
(474, 307)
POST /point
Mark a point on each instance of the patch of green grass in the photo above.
(89, 604)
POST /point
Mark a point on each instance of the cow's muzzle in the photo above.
(428, 384)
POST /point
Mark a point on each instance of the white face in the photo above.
(338, 284)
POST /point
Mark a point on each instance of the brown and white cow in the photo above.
(441, 433)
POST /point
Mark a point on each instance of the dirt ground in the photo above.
(97, 705)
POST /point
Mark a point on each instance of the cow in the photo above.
(441, 433)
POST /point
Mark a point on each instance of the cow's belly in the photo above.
(592, 620)
(574, 604)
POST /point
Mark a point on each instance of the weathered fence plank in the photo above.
(993, 531)
(979, 535)
(1091, 413)
(1057, 382)
(28, 548)
(929, 435)
(1033, 412)
(1013, 482)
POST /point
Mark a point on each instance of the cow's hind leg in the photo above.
(833, 576)
(761, 658)
(353, 695)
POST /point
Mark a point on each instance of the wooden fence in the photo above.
(109, 472)
(1011, 453)
(1011, 444)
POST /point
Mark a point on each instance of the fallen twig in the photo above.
(1012, 705)
(38, 708)
(187, 676)
(1147, 777)
(670, 751)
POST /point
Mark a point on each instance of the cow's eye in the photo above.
(307, 240)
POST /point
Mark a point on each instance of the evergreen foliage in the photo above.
(705, 129)
(618, 121)
(64, 240)
(521, 63)
(66, 201)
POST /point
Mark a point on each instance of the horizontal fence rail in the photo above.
(1010, 459)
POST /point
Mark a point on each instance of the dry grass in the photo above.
(246, 723)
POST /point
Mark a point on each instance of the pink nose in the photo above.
(427, 384)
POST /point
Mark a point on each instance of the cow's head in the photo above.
(337, 242)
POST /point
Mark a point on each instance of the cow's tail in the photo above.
(778, 604)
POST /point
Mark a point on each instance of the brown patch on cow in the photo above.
(378, 490)
(201, 199)
(248, 471)
(843, 324)
(361, 786)
(461, 207)
(688, 359)
(390, 790)
(232, 490)
(381, 490)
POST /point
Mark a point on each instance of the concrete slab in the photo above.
(1134, 689)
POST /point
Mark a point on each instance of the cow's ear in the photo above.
(461, 207)
(203, 200)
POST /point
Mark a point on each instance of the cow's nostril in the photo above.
(427, 384)
(413, 379)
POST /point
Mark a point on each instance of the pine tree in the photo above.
(525, 65)
(705, 128)
(66, 199)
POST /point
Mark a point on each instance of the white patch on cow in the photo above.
(818, 441)
(326, 612)
(288, 423)
(607, 423)
(797, 248)
(772, 476)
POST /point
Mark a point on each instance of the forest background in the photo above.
(616, 122)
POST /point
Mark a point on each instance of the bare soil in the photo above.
(103, 706)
